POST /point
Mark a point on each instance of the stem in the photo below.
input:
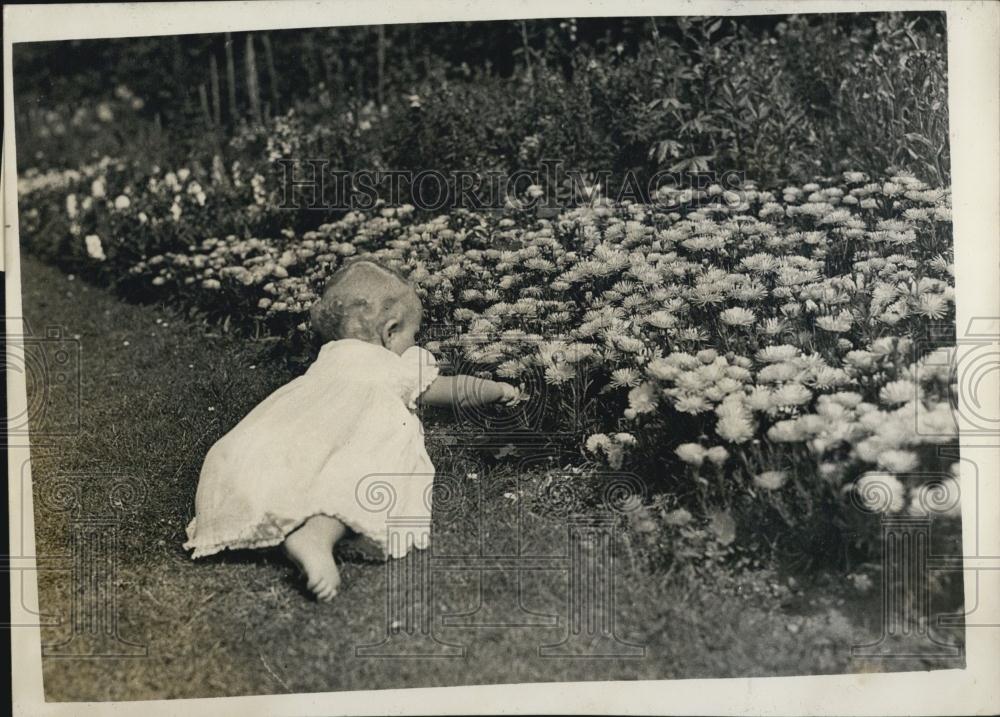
(528, 74)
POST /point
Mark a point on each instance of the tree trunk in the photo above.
(203, 101)
(253, 87)
(234, 114)
(380, 59)
(213, 71)
(272, 75)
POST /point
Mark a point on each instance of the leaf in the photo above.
(723, 526)
(678, 166)
(663, 148)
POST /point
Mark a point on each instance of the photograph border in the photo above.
(974, 110)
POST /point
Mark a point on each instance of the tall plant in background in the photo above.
(874, 92)
(780, 99)
(813, 96)
(895, 106)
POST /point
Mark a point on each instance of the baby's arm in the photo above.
(468, 391)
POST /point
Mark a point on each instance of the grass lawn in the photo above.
(158, 389)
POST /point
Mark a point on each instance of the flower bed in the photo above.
(775, 349)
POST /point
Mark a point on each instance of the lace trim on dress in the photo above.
(271, 532)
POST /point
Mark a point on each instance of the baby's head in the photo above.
(368, 302)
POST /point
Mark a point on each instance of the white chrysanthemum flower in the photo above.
(760, 399)
(738, 373)
(831, 410)
(579, 351)
(786, 432)
(938, 498)
(772, 326)
(938, 424)
(691, 381)
(735, 429)
(869, 449)
(717, 455)
(714, 371)
(661, 319)
(770, 480)
(792, 394)
(861, 360)
(94, 248)
(629, 344)
(707, 356)
(625, 377)
(559, 373)
(662, 369)
(691, 404)
(737, 316)
(932, 306)
(777, 373)
(691, 453)
(777, 354)
(642, 398)
(827, 377)
(511, 368)
(552, 352)
(836, 324)
(898, 392)
(596, 442)
(847, 399)
(881, 492)
(727, 385)
(898, 461)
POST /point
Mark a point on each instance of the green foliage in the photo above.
(776, 98)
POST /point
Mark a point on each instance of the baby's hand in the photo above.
(511, 395)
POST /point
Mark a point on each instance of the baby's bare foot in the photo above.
(323, 580)
(320, 571)
(311, 549)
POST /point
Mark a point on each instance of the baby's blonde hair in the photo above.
(359, 299)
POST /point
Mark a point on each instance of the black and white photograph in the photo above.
(564, 349)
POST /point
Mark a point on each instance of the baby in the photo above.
(287, 474)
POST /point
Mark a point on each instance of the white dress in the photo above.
(342, 440)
